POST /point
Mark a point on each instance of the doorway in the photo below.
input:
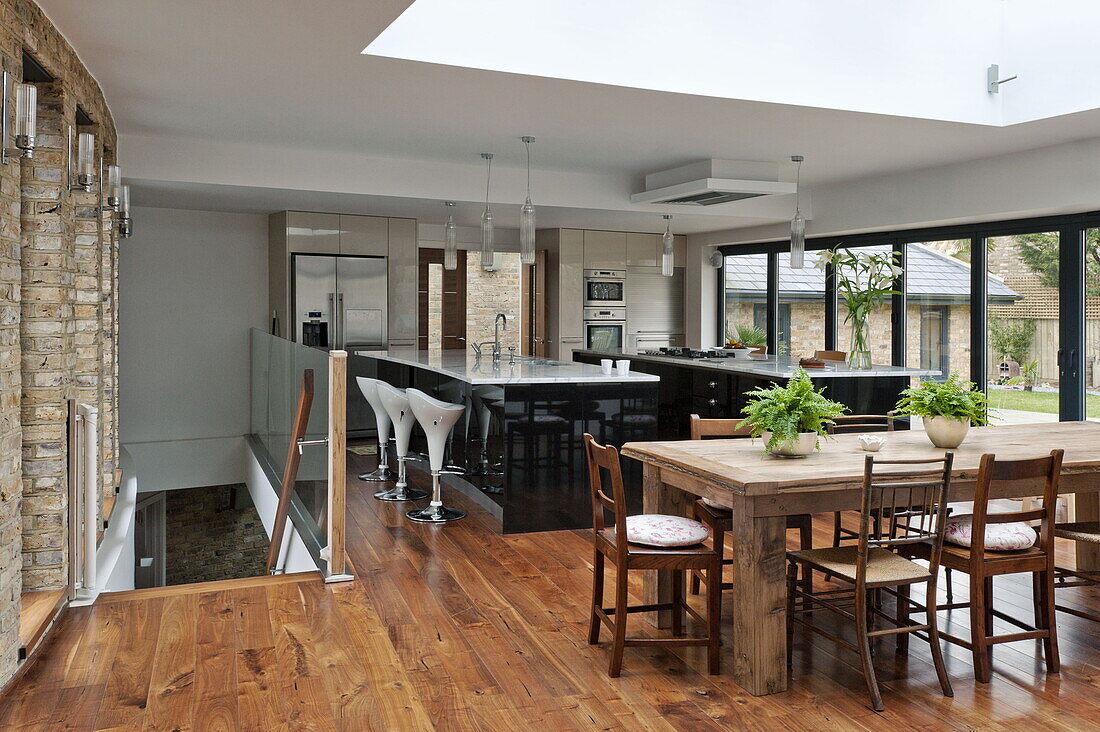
(442, 306)
(149, 542)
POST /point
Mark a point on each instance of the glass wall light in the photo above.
(83, 177)
(798, 223)
(114, 185)
(487, 252)
(125, 223)
(668, 242)
(26, 119)
(450, 239)
(527, 214)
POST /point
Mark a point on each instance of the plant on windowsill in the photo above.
(864, 281)
(790, 418)
(948, 409)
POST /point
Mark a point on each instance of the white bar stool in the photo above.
(437, 418)
(369, 387)
(396, 404)
(482, 395)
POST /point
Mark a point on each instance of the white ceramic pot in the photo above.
(946, 432)
(803, 445)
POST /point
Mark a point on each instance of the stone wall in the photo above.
(54, 295)
(207, 538)
(489, 293)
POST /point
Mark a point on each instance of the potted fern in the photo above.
(791, 417)
(948, 409)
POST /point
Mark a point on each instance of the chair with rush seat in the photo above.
(396, 404)
(983, 564)
(437, 418)
(905, 507)
(1087, 531)
(369, 387)
(653, 542)
(718, 518)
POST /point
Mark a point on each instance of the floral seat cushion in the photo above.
(652, 529)
(998, 537)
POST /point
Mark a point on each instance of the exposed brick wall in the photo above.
(52, 288)
(489, 293)
(206, 539)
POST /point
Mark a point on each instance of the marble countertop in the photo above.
(467, 366)
(775, 367)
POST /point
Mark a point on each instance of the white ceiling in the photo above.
(287, 74)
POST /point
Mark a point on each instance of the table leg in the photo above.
(660, 498)
(1087, 508)
(759, 601)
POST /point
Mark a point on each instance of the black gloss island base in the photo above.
(520, 445)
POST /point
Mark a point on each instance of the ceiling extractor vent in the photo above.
(713, 182)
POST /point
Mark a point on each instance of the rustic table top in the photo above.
(741, 465)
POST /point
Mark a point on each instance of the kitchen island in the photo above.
(716, 387)
(520, 443)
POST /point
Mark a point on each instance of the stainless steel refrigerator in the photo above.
(345, 295)
(340, 303)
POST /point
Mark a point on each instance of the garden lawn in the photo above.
(1037, 401)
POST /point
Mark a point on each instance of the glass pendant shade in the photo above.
(798, 241)
(487, 239)
(85, 153)
(527, 233)
(450, 245)
(667, 248)
(26, 110)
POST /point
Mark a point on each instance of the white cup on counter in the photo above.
(622, 366)
(605, 365)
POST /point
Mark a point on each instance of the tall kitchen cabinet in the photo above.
(301, 232)
(565, 265)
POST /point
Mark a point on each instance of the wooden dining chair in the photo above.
(906, 507)
(830, 355)
(984, 564)
(853, 424)
(1087, 531)
(720, 519)
(614, 544)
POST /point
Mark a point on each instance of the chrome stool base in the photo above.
(435, 515)
(403, 493)
(379, 475)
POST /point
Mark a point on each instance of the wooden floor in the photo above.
(36, 611)
(457, 628)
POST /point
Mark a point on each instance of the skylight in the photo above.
(911, 58)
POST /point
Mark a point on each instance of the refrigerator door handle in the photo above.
(343, 319)
(334, 319)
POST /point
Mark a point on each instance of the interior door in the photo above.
(149, 542)
(442, 301)
(534, 339)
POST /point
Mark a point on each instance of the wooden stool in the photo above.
(1081, 531)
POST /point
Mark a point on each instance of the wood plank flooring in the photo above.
(457, 628)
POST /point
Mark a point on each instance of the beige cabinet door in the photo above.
(643, 250)
(312, 233)
(364, 235)
(604, 249)
(679, 249)
(402, 280)
(571, 268)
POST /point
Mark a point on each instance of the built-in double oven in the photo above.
(604, 308)
(604, 288)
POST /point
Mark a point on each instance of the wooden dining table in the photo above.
(762, 490)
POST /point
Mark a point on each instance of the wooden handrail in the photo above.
(290, 470)
(337, 459)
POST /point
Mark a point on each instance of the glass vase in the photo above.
(859, 353)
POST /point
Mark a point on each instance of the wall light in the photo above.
(125, 223)
(84, 177)
(114, 186)
(26, 119)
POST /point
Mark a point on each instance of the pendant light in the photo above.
(527, 215)
(450, 239)
(668, 242)
(487, 219)
(798, 223)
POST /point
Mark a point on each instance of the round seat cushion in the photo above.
(652, 529)
(998, 537)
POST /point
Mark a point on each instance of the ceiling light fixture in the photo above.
(450, 239)
(798, 223)
(668, 242)
(26, 118)
(487, 219)
(527, 214)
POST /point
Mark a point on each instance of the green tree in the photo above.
(1040, 253)
(1012, 338)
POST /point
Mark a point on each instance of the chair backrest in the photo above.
(1041, 474)
(830, 355)
(607, 495)
(851, 423)
(902, 506)
(702, 428)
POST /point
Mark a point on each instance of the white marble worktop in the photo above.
(473, 369)
(773, 367)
